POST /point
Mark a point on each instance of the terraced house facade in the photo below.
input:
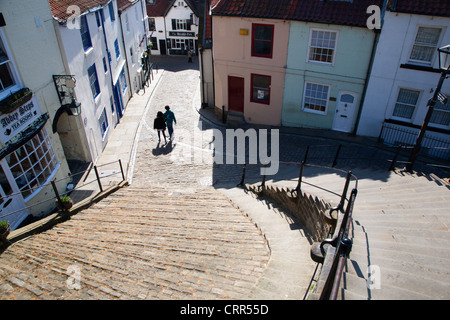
(293, 63)
(404, 76)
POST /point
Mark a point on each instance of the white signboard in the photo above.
(13, 123)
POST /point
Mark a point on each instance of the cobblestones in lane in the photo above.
(170, 235)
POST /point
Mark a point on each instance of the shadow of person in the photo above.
(163, 148)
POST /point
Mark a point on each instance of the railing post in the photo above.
(241, 184)
(263, 183)
(56, 192)
(98, 178)
(336, 156)
(344, 192)
(345, 247)
(300, 177)
(391, 168)
(121, 170)
(306, 154)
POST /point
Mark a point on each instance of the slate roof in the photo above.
(59, 7)
(342, 12)
(161, 7)
(423, 7)
(123, 4)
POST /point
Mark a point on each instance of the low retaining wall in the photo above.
(306, 208)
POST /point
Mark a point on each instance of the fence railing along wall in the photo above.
(432, 146)
(56, 197)
(311, 212)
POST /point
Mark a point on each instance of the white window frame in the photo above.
(437, 125)
(100, 123)
(12, 69)
(415, 107)
(47, 160)
(334, 50)
(327, 100)
(422, 62)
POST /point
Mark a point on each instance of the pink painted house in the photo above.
(248, 72)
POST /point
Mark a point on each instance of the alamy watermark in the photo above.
(73, 277)
(374, 21)
(228, 146)
(374, 277)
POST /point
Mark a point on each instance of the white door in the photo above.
(12, 205)
(345, 110)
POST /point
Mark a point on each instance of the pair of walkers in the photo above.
(163, 121)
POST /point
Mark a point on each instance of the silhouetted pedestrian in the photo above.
(160, 125)
(170, 119)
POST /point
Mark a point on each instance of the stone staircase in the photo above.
(400, 233)
(142, 243)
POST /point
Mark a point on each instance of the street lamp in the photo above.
(444, 65)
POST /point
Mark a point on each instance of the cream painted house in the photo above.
(249, 68)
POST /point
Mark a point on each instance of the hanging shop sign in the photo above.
(13, 123)
(181, 34)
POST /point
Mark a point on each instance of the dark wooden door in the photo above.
(236, 94)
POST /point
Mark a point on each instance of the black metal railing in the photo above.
(58, 195)
(340, 241)
(432, 147)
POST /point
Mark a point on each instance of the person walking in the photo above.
(169, 116)
(160, 125)
(189, 55)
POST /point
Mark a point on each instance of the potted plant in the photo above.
(64, 203)
(4, 229)
(15, 100)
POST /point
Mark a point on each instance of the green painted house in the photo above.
(329, 56)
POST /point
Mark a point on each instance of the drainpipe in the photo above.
(126, 52)
(377, 33)
(369, 71)
(108, 54)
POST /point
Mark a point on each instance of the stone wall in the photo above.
(304, 207)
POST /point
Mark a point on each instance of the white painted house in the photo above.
(92, 48)
(31, 155)
(404, 75)
(173, 26)
(134, 22)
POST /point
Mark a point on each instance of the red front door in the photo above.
(236, 94)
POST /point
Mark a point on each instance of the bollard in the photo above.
(399, 148)
(98, 179)
(121, 170)
(336, 156)
(56, 192)
(344, 192)
(300, 177)
(306, 154)
(243, 176)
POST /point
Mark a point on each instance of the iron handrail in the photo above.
(57, 194)
(341, 241)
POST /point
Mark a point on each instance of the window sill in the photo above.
(419, 67)
(88, 51)
(321, 63)
(320, 113)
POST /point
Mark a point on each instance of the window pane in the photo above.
(261, 88)
(29, 165)
(263, 48)
(262, 43)
(408, 96)
(441, 113)
(428, 35)
(316, 97)
(263, 33)
(425, 44)
(322, 46)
